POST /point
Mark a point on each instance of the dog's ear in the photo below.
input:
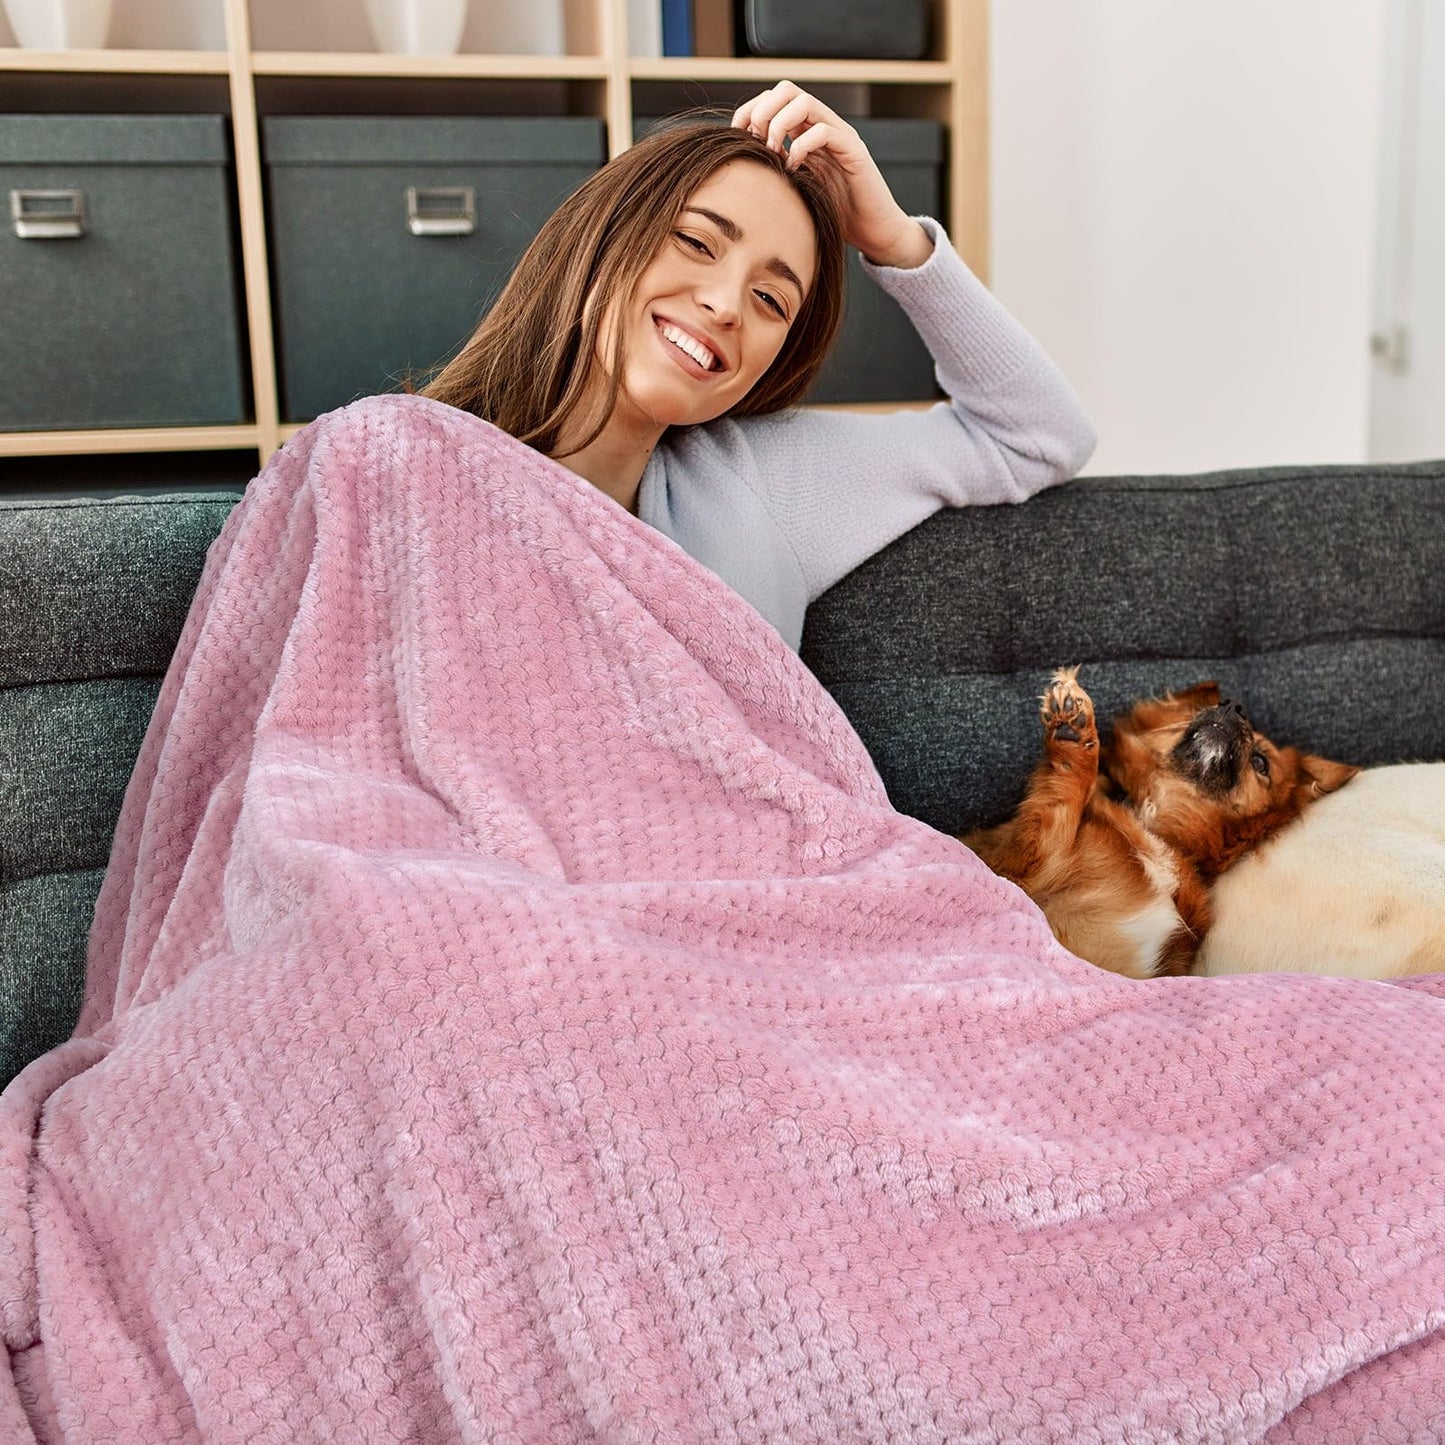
(1201, 695)
(1318, 776)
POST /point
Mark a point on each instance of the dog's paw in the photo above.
(1067, 711)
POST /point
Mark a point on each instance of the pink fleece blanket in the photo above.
(516, 1013)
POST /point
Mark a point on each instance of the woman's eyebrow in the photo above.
(733, 232)
(728, 227)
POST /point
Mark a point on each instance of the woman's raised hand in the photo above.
(872, 220)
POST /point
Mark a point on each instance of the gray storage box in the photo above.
(118, 288)
(878, 356)
(390, 237)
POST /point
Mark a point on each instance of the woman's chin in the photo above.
(663, 411)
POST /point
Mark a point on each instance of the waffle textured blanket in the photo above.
(516, 1013)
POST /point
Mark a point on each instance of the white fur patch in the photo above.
(1159, 867)
(1210, 752)
(1148, 931)
(1354, 887)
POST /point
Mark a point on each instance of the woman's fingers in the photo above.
(802, 116)
(789, 115)
(792, 117)
(743, 115)
(784, 90)
(821, 136)
(757, 114)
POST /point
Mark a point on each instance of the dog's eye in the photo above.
(1260, 764)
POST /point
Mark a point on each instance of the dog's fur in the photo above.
(1121, 853)
(1355, 887)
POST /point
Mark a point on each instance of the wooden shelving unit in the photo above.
(599, 77)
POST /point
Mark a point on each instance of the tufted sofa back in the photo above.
(1315, 595)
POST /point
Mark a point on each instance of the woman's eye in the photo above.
(692, 242)
(773, 301)
(1260, 764)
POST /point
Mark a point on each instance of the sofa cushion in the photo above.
(42, 972)
(1314, 594)
(93, 594)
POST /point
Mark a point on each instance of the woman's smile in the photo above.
(694, 354)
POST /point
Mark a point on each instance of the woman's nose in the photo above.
(722, 299)
(724, 312)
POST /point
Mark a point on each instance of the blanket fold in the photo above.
(515, 1012)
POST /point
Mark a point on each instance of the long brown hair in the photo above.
(527, 365)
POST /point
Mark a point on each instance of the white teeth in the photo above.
(691, 345)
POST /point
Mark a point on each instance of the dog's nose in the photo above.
(1229, 704)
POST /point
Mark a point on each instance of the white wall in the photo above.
(1407, 419)
(1183, 212)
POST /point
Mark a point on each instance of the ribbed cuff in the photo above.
(969, 333)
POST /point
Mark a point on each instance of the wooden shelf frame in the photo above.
(244, 437)
(952, 89)
(116, 62)
(431, 67)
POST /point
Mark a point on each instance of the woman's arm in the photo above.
(841, 485)
(1018, 416)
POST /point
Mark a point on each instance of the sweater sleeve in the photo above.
(841, 485)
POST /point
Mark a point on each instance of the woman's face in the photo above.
(713, 309)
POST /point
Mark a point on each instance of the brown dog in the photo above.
(1120, 853)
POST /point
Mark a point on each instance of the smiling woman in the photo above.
(549, 362)
(660, 331)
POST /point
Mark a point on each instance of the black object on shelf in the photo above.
(835, 29)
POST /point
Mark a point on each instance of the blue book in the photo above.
(676, 27)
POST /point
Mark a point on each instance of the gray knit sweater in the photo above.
(782, 506)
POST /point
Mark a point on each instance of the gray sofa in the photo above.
(1316, 594)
